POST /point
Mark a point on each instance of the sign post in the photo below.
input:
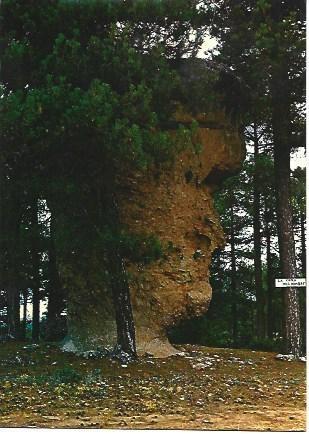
(288, 283)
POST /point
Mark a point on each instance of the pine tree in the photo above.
(267, 55)
(88, 100)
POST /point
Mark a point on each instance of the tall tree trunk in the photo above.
(24, 321)
(233, 280)
(270, 277)
(260, 300)
(121, 293)
(35, 271)
(122, 304)
(303, 243)
(13, 312)
(17, 313)
(302, 296)
(281, 138)
(55, 291)
(3, 230)
(13, 299)
(11, 217)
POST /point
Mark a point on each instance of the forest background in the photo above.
(54, 94)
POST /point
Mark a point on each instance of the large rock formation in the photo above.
(176, 205)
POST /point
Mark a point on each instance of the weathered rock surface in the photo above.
(176, 205)
(178, 209)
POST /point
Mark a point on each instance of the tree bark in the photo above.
(13, 311)
(56, 302)
(281, 137)
(121, 293)
(11, 245)
(122, 304)
(3, 258)
(35, 271)
(233, 280)
(302, 296)
(24, 321)
(303, 243)
(270, 277)
(260, 300)
(287, 252)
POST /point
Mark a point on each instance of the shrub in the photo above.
(66, 375)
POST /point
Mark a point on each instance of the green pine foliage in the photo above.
(87, 89)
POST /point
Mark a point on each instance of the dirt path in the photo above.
(208, 388)
(223, 418)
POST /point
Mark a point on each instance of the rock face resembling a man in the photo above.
(176, 207)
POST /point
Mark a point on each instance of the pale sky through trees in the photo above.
(298, 157)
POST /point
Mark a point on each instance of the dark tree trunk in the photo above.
(303, 243)
(55, 291)
(11, 245)
(13, 312)
(121, 293)
(24, 321)
(3, 229)
(233, 280)
(17, 313)
(302, 296)
(270, 277)
(281, 133)
(35, 271)
(260, 300)
(122, 304)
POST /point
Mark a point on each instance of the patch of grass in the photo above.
(65, 375)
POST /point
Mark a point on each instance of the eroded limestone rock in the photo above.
(176, 205)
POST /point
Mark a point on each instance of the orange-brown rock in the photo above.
(178, 208)
(176, 205)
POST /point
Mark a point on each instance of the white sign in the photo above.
(282, 283)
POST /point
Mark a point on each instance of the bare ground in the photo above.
(207, 388)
